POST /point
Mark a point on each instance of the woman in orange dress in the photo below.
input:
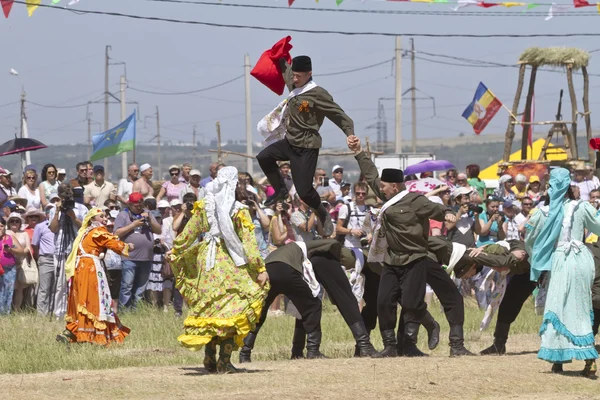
(90, 318)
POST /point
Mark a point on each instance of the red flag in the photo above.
(267, 69)
(6, 6)
(290, 2)
(487, 5)
(531, 118)
(595, 143)
(581, 3)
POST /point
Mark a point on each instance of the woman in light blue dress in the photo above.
(553, 240)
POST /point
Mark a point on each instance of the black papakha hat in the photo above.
(302, 64)
(392, 175)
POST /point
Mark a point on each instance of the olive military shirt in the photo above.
(291, 254)
(406, 223)
(307, 111)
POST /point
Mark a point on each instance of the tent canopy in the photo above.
(533, 152)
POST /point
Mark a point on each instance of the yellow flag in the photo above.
(32, 5)
(512, 4)
(598, 5)
(421, 1)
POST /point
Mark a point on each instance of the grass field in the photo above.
(151, 364)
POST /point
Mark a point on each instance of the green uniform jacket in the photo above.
(307, 111)
(595, 249)
(497, 256)
(291, 254)
(406, 223)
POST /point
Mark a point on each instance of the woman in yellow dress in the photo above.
(222, 276)
(90, 318)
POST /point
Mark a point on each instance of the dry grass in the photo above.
(151, 365)
(555, 57)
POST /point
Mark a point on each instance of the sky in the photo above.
(60, 59)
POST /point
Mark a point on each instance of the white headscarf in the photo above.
(219, 203)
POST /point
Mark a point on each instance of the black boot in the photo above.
(246, 351)
(433, 330)
(363, 342)
(210, 356)
(389, 345)
(298, 341)
(224, 365)
(457, 342)
(325, 219)
(411, 334)
(500, 338)
(281, 195)
(313, 343)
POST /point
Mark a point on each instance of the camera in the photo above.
(364, 241)
(6, 247)
(158, 247)
(67, 205)
(474, 208)
(325, 181)
(189, 205)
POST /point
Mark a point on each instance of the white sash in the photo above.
(308, 273)
(356, 279)
(458, 250)
(497, 293)
(379, 246)
(272, 126)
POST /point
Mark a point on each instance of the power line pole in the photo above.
(106, 121)
(249, 161)
(413, 100)
(398, 94)
(195, 148)
(158, 141)
(89, 138)
(123, 117)
(25, 157)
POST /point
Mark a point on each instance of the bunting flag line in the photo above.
(554, 9)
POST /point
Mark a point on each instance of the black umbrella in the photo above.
(20, 145)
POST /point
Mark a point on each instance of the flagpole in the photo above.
(123, 117)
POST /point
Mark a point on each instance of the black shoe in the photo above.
(272, 199)
(457, 342)
(246, 351)
(325, 220)
(210, 356)
(557, 368)
(313, 343)
(433, 330)
(389, 345)
(494, 350)
(411, 334)
(500, 338)
(66, 337)
(363, 342)
(298, 341)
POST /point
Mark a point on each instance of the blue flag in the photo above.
(115, 141)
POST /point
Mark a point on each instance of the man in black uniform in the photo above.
(403, 226)
(304, 115)
(286, 265)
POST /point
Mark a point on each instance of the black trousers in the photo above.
(286, 280)
(369, 311)
(330, 274)
(303, 163)
(404, 285)
(596, 323)
(518, 290)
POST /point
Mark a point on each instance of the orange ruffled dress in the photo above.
(89, 314)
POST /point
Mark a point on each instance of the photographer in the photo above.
(65, 220)
(321, 185)
(260, 219)
(467, 223)
(491, 223)
(304, 220)
(281, 230)
(351, 218)
(182, 219)
(136, 225)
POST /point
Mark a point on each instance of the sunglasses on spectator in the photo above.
(31, 178)
(14, 221)
(177, 208)
(174, 173)
(338, 171)
(114, 208)
(361, 193)
(50, 172)
(461, 180)
(451, 176)
(527, 204)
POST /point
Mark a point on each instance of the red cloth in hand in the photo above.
(267, 69)
(595, 143)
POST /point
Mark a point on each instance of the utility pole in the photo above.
(106, 121)
(413, 99)
(89, 138)
(398, 94)
(25, 157)
(195, 150)
(123, 117)
(249, 161)
(158, 141)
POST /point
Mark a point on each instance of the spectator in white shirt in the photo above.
(125, 187)
(337, 181)
(585, 182)
(511, 226)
